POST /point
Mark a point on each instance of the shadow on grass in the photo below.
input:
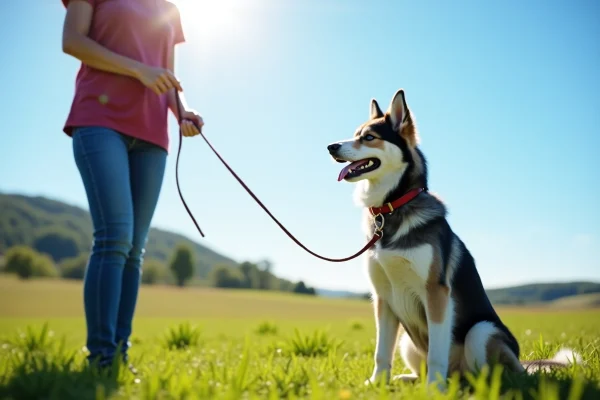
(37, 366)
(39, 376)
(565, 383)
(558, 384)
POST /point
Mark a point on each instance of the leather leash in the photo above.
(378, 230)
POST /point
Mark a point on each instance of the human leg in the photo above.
(102, 159)
(146, 165)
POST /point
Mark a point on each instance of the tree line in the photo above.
(27, 262)
(63, 231)
(52, 238)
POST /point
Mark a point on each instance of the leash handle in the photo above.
(376, 236)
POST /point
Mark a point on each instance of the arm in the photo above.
(192, 122)
(171, 94)
(75, 42)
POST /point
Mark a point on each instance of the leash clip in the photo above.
(378, 223)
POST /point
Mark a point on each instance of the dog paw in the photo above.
(375, 379)
(408, 378)
(372, 381)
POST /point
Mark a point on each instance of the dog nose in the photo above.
(333, 147)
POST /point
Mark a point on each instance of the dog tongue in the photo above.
(350, 166)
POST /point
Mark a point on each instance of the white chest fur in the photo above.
(399, 278)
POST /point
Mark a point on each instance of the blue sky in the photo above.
(506, 97)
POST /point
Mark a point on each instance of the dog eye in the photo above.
(369, 137)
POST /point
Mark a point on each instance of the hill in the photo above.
(590, 300)
(539, 293)
(63, 231)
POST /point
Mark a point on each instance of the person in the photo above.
(124, 89)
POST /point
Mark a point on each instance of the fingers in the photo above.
(199, 121)
(156, 89)
(159, 86)
(188, 128)
(168, 81)
(174, 82)
(164, 82)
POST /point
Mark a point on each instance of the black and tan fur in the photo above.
(423, 276)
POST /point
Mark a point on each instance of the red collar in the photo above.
(388, 208)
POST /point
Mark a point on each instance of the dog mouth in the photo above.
(357, 168)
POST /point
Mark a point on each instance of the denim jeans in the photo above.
(122, 177)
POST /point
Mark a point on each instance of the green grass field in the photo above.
(203, 343)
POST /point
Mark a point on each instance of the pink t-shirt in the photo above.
(146, 31)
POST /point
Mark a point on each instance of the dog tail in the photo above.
(565, 357)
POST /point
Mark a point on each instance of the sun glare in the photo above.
(209, 18)
(217, 29)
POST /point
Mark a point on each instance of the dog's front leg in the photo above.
(387, 338)
(440, 314)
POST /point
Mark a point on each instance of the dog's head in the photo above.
(383, 144)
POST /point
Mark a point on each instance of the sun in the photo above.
(222, 27)
(208, 18)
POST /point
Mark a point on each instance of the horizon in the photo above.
(506, 104)
(536, 282)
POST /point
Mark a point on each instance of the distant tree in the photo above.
(251, 275)
(265, 265)
(26, 263)
(266, 280)
(20, 260)
(44, 266)
(153, 272)
(59, 243)
(74, 267)
(224, 276)
(182, 264)
(301, 288)
(284, 285)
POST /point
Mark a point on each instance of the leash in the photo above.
(378, 224)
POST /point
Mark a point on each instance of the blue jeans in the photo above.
(122, 177)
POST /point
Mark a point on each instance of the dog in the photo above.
(423, 276)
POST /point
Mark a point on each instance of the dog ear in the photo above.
(375, 110)
(398, 110)
(401, 120)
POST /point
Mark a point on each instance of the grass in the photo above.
(205, 344)
(183, 336)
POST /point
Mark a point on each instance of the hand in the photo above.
(189, 120)
(159, 80)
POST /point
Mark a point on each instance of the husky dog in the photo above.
(423, 277)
